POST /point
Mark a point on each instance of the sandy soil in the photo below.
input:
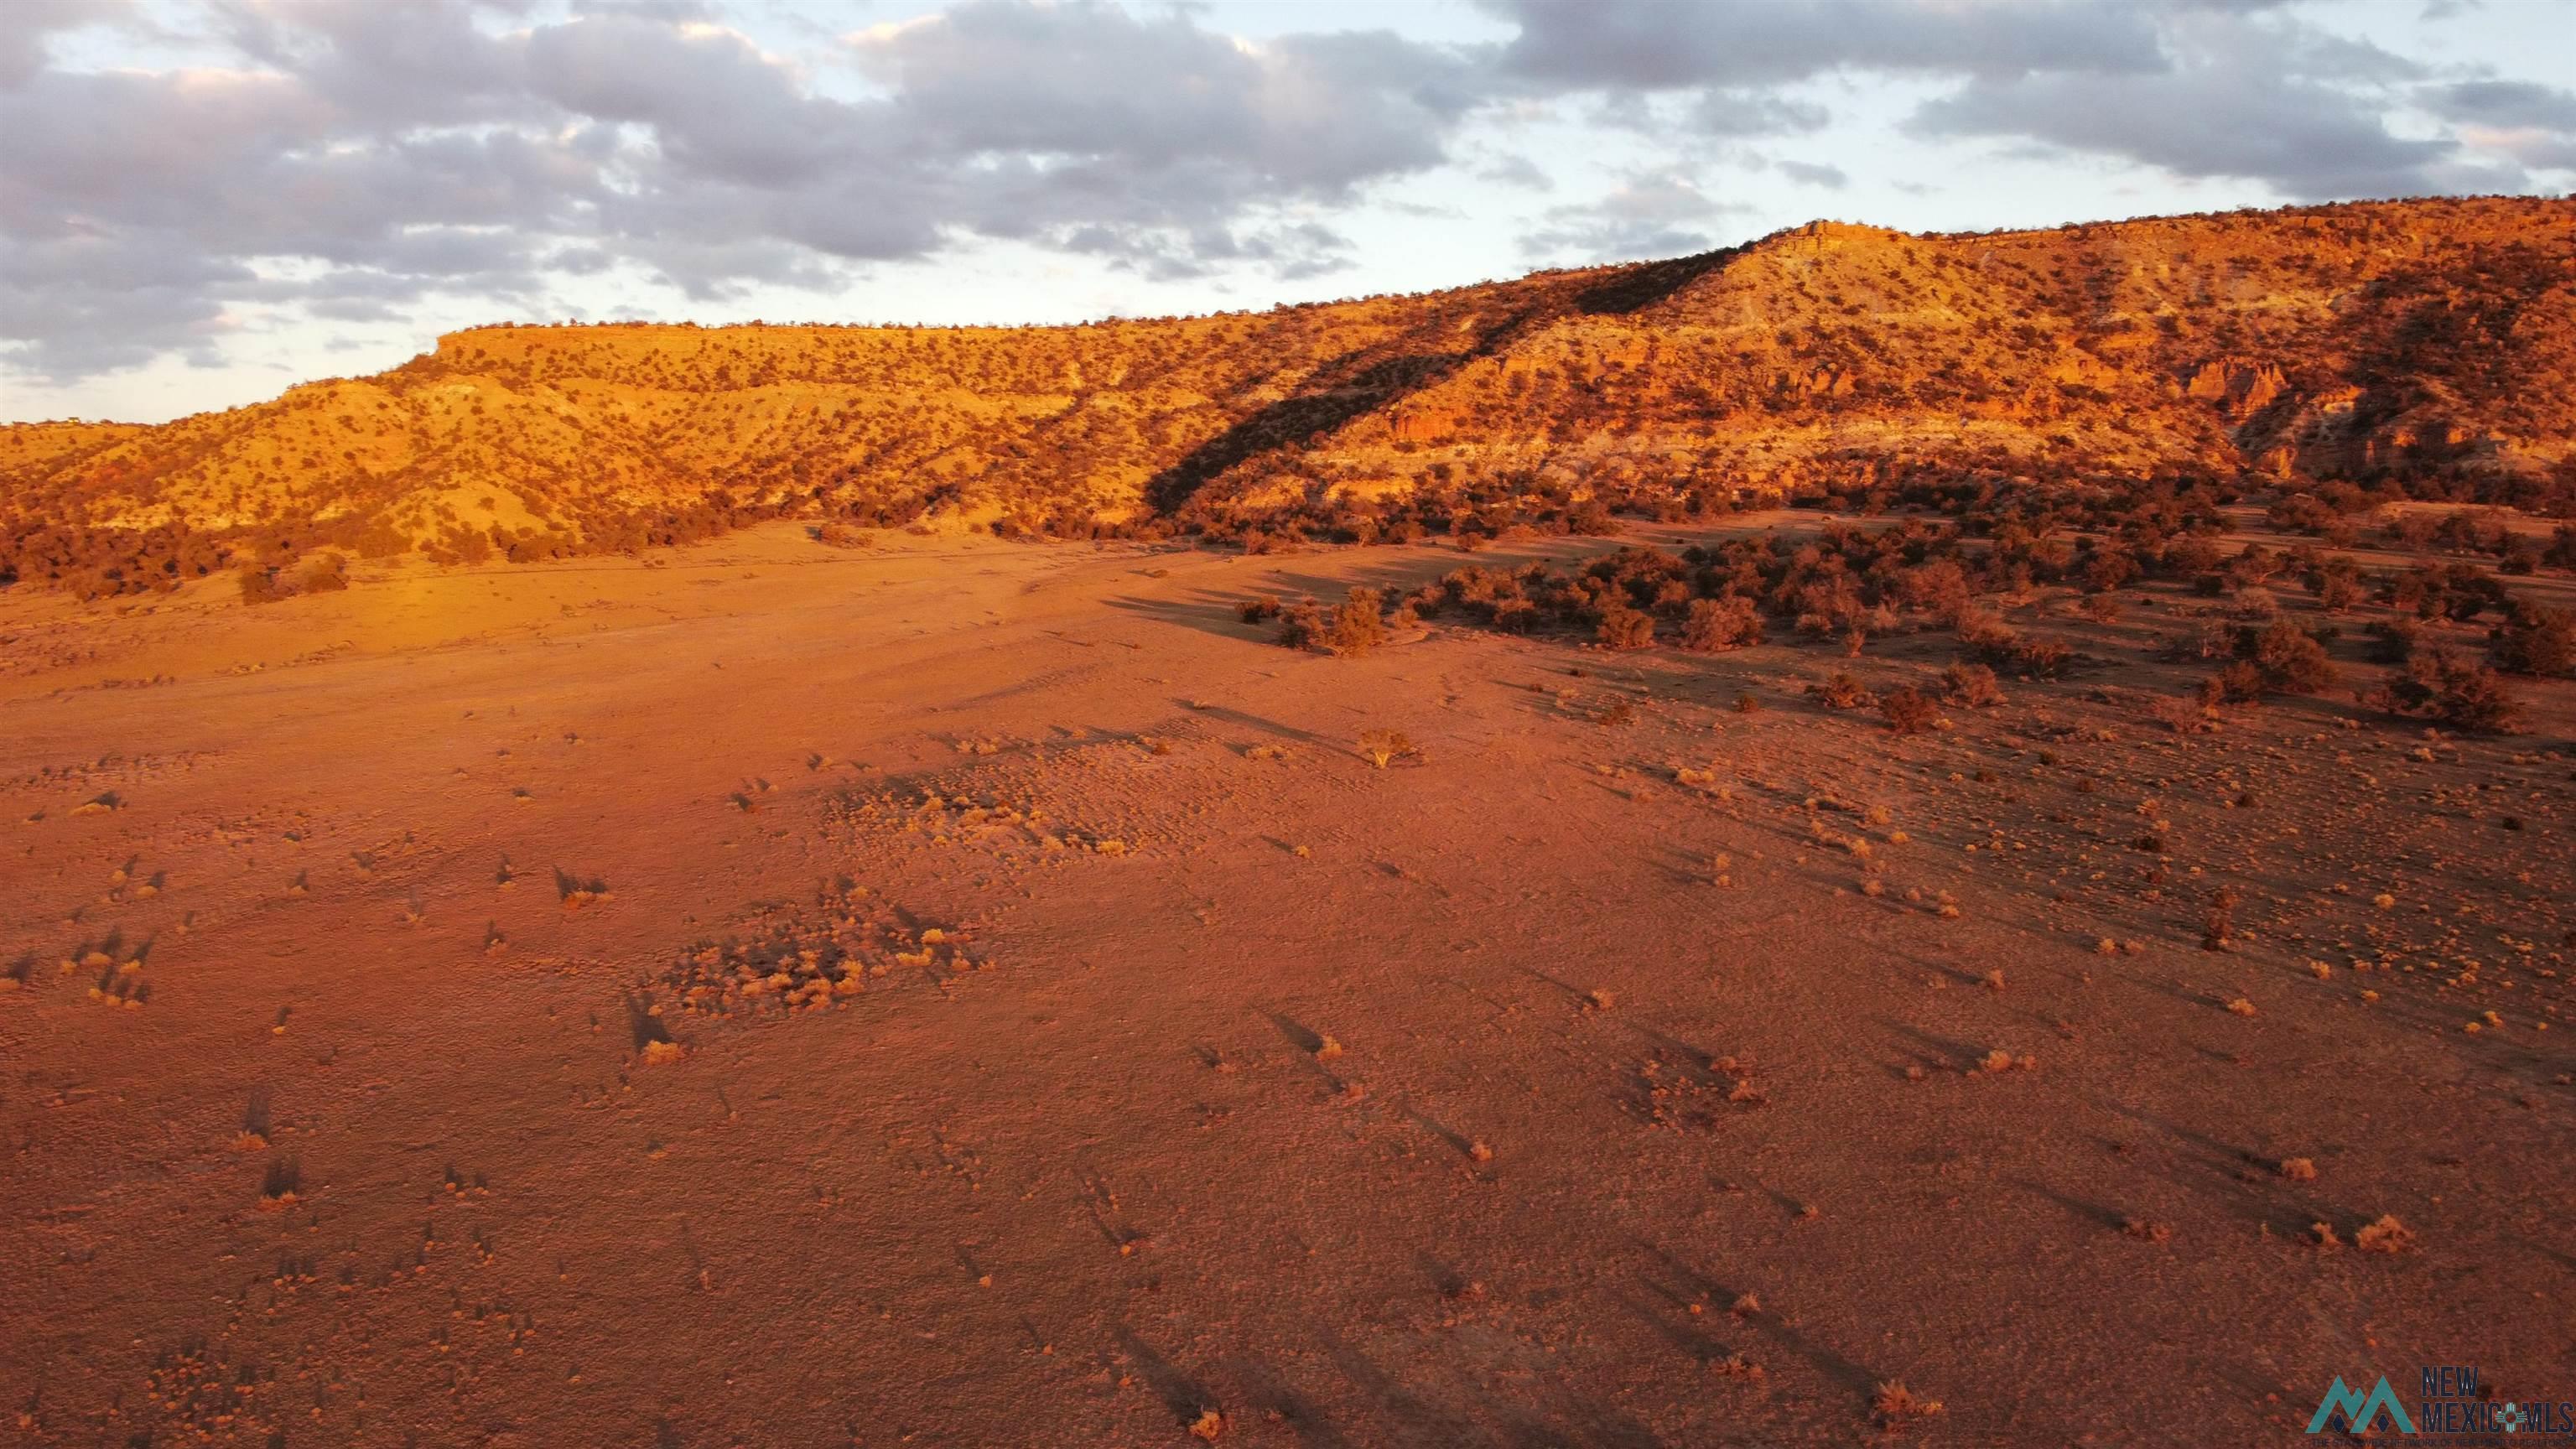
(371, 1079)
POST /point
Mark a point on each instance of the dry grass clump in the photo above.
(1895, 1403)
(2387, 1235)
(1971, 686)
(806, 959)
(279, 1185)
(2298, 1169)
(2218, 927)
(1382, 748)
(577, 892)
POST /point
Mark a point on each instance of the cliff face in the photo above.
(2424, 339)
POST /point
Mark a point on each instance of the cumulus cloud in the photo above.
(2532, 125)
(1756, 42)
(377, 137)
(2295, 109)
(347, 159)
(1653, 215)
(27, 25)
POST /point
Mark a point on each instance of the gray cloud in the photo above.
(378, 137)
(353, 157)
(2274, 103)
(2506, 103)
(1580, 43)
(26, 26)
(1811, 174)
(1651, 215)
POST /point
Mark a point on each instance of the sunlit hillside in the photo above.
(2425, 346)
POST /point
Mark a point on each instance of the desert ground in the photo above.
(960, 992)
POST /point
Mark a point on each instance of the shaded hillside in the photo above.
(2425, 346)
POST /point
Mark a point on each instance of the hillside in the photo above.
(2427, 346)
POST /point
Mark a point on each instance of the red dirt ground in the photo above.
(1524, 1092)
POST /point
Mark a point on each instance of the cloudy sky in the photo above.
(203, 201)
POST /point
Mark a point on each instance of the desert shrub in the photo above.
(2241, 682)
(322, 574)
(260, 585)
(2456, 591)
(2441, 687)
(1625, 628)
(1716, 624)
(837, 534)
(2183, 716)
(1358, 623)
(2535, 640)
(1355, 626)
(1257, 611)
(1382, 748)
(2290, 658)
(1908, 710)
(1971, 685)
(2042, 658)
(1986, 637)
(1301, 625)
(2394, 641)
(2108, 570)
(1841, 691)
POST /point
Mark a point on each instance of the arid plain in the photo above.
(1619, 1067)
(1865, 838)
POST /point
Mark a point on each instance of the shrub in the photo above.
(2242, 682)
(322, 574)
(1358, 625)
(1909, 710)
(1625, 628)
(2291, 659)
(259, 585)
(1717, 624)
(1382, 748)
(2535, 640)
(2444, 688)
(1355, 626)
(2393, 641)
(1972, 685)
(2042, 658)
(1258, 611)
(1842, 692)
(1301, 625)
